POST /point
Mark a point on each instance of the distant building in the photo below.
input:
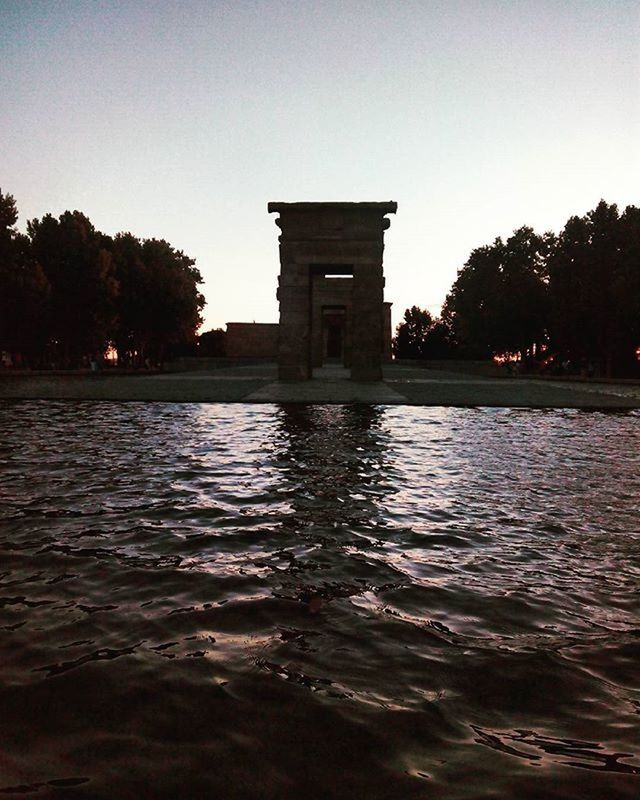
(252, 340)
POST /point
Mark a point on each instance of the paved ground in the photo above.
(258, 384)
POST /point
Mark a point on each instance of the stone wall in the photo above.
(252, 340)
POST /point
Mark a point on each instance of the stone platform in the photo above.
(330, 385)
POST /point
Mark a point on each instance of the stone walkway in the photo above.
(332, 385)
(258, 384)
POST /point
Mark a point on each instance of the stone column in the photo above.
(366, 322)
(317, 333)
(387, 335)
(294, 294)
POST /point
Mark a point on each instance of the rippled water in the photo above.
(330, 602)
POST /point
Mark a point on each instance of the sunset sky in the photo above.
(181, 120)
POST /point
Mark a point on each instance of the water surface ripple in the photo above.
(324, 602)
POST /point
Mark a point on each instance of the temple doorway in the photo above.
(333, 335)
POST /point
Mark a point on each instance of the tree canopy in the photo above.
(69, 292)
(24, 289)
(499, 301)
(411, 335)
(160, 303)
(572, 297)
(594, 283)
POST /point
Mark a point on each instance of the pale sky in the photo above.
(181, 120)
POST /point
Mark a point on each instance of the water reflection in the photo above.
(273, 602)
(332, 459)
(534, 747)
(332, 464)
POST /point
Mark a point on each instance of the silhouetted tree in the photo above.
(471, 307)
(628, 291)
(70, 290)
(212, 343)
(499, 301)
(131, 332)
(438, 343)
(173, 297)
(79, 267)
(412, 333)
(159, 303)
(595, 289)
(24, 291)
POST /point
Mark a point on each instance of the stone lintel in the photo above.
(331, 224)
(388, 207)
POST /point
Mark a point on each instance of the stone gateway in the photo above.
(331, 286)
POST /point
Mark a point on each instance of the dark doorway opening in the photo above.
(334, 342)
(333, 334)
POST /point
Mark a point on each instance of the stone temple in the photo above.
(330, 288)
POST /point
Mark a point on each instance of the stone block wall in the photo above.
(252, 340)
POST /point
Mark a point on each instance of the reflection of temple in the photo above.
(331, 459)
(330, 291)
(331, 487)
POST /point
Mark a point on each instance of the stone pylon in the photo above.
(319, 240)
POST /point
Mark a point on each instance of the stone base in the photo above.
(366, 374)
(292, 374)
